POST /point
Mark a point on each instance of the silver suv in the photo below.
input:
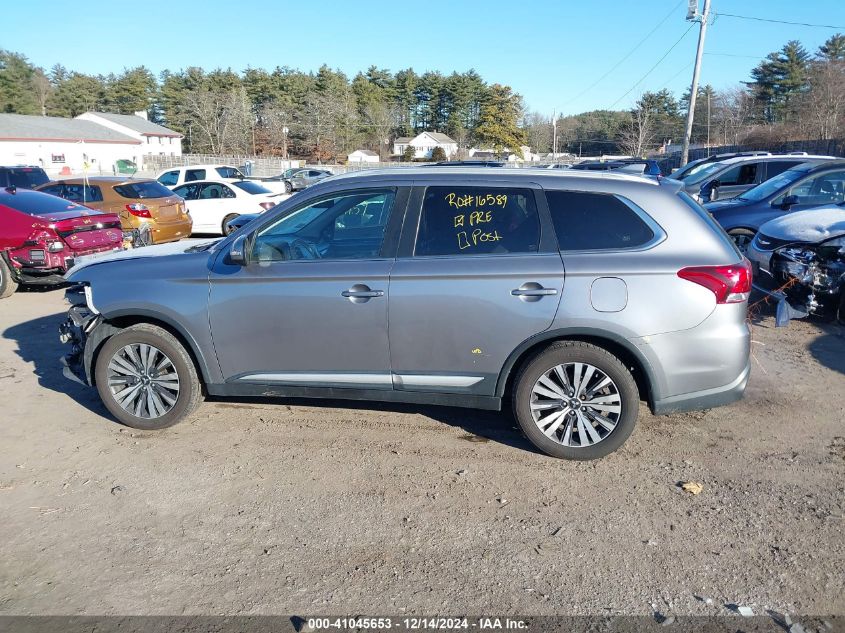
(572, 295)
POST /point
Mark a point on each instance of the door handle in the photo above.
(369, 294)
(532, 291)
(361, 293)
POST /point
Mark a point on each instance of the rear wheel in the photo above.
(742, 238)
(146, 378)
(8, 286)
(576, 401)
(226, 229)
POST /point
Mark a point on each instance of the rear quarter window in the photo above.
(586, 221)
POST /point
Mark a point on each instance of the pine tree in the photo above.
(408, 154)
(498, 126)
(438, 154)
(833, 49)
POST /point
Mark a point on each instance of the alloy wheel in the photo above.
(576, 404)
(143, 380)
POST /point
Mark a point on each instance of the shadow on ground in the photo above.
(38, 343)
(480, 426)
(829, 347)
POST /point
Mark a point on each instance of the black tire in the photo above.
(8, 286)
(190, 390)
(742, 238)
(288, 187)
(562, 353)
(226, 220)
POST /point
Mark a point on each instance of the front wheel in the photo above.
(226, 228)
(288, 187)
(576, 401)
(742, 238)
(8, 286)
(146, 378)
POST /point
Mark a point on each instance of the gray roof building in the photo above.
(136, 123)
(23, 127)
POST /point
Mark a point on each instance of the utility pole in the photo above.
(554, 136)
(702, 19)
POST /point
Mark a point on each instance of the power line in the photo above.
(675, 76)
(749, 17)
(665, 55)
(631, 52)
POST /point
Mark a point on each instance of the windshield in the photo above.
(701, 172)
(251, 187)
(772, 186)
(290, 172)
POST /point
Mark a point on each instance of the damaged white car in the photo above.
(799, 259)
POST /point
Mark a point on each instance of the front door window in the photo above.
(348, 225)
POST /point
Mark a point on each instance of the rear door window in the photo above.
(477, 221)
(596, 221)
(194, 174)
(777, 167)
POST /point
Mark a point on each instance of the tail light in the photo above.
(730, 284)
(266, 205)
(138, 210)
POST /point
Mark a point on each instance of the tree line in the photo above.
(791, 95)
(322, 115)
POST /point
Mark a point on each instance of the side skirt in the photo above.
(490, 403)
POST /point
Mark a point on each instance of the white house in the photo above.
(424, 144)
(64, 145)
(156, 140)
(505, 155)
(362, 156)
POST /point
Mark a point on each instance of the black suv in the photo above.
(22, 177)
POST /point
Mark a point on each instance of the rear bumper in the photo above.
(706, 399)
(171, 231)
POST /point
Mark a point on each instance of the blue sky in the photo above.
(549, 52)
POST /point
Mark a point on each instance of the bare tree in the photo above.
(638, 134)
(222, 121)
(733, 114)
(822, 107)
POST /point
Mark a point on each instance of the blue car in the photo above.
(804, 186)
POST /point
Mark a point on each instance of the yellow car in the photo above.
(149, 212)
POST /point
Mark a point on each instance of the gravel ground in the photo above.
(261, 506)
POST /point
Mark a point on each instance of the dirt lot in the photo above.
(314, 507)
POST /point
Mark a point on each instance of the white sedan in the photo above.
(213, 204)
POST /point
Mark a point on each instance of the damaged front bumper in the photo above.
(76, 331)
(805, 279)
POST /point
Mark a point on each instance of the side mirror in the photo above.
(715, 183)
(789, 202)
(237, 251)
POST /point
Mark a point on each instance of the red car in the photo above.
(41, 235)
